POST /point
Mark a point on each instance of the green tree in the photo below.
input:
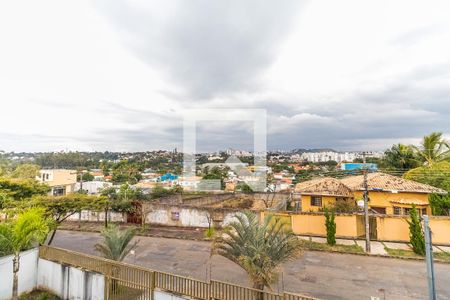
(437, 175)
(126, 172)
(416, 236)
(432, 149)
(400, 156)
(259, 249)
(219, 174)
(330, 225)
(26, 171)
(5, 166)
(86, 176)
(27, 230)
(20, 189)
(440, 204)
(116, 243)
(62, 207)
(244, 188)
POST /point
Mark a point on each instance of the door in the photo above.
(135, 216)
(373, 227)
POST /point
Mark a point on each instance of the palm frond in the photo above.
(257, 248)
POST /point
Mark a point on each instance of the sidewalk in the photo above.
(376, 247)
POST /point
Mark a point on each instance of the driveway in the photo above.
(322, 275)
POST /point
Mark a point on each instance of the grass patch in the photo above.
(310, 245)
(39, 295)
(442, 256)
(402, 253)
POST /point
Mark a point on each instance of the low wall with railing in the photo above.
(125, 280)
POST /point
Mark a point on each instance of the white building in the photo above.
(93, 187)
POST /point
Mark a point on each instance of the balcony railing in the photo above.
(126, 281)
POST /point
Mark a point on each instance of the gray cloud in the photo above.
(207, 48)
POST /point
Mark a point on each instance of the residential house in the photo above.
(92, 187)
(388, 194)
(391, 194)
(61, 182)
(317, 194)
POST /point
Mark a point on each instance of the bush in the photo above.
(344, 207)
(440, 204)
(210, 232)
(38, 294)
(416, 236)
(330, 224)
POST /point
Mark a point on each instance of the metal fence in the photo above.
(125, 281)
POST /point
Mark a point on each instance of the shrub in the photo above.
(344, 207)
(416, 236)
(330, 224)
(210, 232)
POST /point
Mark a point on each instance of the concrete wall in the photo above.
(93, 216)
(70, 282)
(67, 282)
(27, 273)
(185, 216)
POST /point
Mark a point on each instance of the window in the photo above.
(406, 211)
(59, 191)
(316, 201)
(379, 210)
(397, 210)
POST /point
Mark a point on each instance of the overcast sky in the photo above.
(119, 75)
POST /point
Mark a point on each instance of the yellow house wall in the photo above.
(392, 229)
(383, 199)
(306, 224)
(440, 227)
(397, 229)
(389, 228)
(306, 203)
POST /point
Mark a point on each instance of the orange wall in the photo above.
(389, 228)
(306, 203)
(440, 228)
(383, 199)
(315, 225)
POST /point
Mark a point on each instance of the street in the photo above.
(322, 275)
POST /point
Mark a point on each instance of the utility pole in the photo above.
(366, 205)
(429, 259)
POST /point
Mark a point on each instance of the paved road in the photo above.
(323, 275)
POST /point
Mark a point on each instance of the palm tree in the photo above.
(27, 230)
(258, 248)
(116, 243)
(401, 156)
(433, 148)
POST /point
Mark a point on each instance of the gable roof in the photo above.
(326, 186)
(386, 182)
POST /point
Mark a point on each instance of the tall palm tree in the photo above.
(116, 243)
(401, 156)
(27, 230)
(433, 148)
(258, 248)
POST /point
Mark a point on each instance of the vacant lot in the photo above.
(323, 275)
